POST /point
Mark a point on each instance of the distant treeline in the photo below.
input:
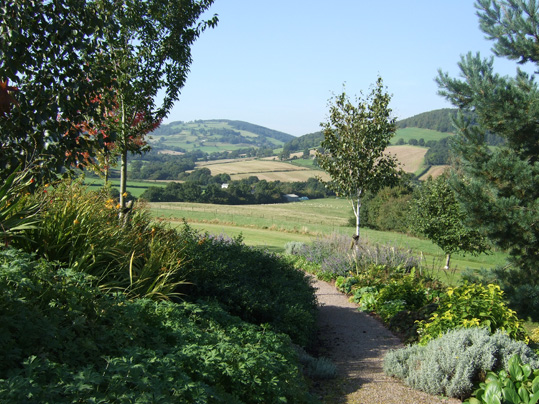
(202, 187)
(309, 141)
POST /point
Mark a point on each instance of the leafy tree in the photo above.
(150, 43)
(438, 215)
(498, 186)
(54, 55)
(355, 138)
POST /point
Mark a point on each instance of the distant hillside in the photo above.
(439, 120)
(216, 135)
(429, 126)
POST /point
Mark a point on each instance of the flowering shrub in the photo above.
(472, 305)
(335, 256)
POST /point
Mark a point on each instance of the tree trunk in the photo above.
(447, 259)
(123, 182)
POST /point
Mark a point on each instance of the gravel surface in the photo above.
(356, 343)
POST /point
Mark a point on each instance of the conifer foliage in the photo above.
(498, 186)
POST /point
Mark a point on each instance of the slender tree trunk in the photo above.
(123, 178)
(107, 170)
(447, 259)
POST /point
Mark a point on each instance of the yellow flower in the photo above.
(124, 194)
(75, 222)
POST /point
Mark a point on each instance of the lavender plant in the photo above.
(452, 364)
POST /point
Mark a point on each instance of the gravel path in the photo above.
(356, 343)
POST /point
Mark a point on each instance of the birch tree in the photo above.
(356, 136)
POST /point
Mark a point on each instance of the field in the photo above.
(434, 171)
(411, 157)
(418, 133)
(274, 225)
(269, 170)
(136, 188)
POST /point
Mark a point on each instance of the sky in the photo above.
(276, 63)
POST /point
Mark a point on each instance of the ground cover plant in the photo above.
(66, 341)
(169, 294)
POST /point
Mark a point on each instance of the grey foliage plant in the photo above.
(451, 364)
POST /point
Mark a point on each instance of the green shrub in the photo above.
(472, 305)
(408, 291)
(65, 341)
(345, 284)
(260, 287)
(520, 384)
(451, 364)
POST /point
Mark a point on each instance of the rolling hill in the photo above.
(216, 136)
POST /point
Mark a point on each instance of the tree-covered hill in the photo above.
(440, 120)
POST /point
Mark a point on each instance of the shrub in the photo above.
(294, 247)
(260, 287)
(334, 255)
(520, 384)
(65, 341)
(472, 305)
(451, 364)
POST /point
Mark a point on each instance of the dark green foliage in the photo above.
(389, 209)
(257, 286)
(453, 363)
(65, 341)
(439, 153)
(437, 215)
(203, 188)
(440, 120)
(498, 187)
(308, 141)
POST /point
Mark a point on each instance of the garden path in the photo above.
(356, 343)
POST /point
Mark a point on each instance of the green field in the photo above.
(274, 225)
(418, 133)
(136, 188)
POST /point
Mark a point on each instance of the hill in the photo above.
(216, 136)
(440, 120)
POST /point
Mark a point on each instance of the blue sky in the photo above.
(276, 63)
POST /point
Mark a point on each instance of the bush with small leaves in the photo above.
(473, 305)
(451, 364)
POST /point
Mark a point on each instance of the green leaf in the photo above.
(510, 396)
(534, 398)
(524, 395)
(535, 385)
(493, 393)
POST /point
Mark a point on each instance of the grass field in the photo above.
(418, 133)
(274, 225)
(136, 188)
